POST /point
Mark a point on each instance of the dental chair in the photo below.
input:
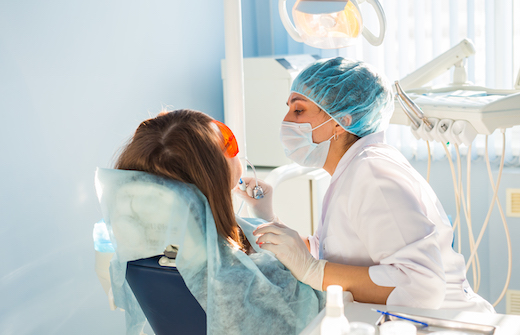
(164, 298)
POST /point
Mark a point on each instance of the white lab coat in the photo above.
(381, 213)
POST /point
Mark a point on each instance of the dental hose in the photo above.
(486, 221)
(258, 192)
(459, 197)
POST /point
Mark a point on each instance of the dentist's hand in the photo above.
(289, 248)
(260, 208)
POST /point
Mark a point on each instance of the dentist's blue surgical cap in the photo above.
(348, 90)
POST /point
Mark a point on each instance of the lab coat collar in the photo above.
(355, 149)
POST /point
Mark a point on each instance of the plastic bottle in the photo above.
(334, 322)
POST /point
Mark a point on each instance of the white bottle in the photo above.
(334, 322)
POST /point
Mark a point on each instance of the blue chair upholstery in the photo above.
(164, 298)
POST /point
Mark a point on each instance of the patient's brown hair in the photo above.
(184, 145)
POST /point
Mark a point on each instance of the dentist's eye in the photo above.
(298, 111)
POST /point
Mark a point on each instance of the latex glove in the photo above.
(291, 251)
(259, 208)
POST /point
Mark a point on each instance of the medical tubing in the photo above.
(476, 264)
(240, 208)
(429, 162)
(456, 222)
(459, 200)
(468, 182)
(461, 193)
(509, 254)
(254, 171)
(469, 222)
(495, 194)
(506, 229)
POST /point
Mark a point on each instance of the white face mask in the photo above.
(298, 145)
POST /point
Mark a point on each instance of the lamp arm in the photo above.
(289, 27)
(369, 36)
(438, 65)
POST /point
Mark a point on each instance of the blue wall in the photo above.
(76, 78)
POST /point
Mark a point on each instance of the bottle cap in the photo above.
(334, 296)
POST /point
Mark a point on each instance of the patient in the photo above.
(191, 147)
(173, 185)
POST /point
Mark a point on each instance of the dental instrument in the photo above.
(435, 325)
(483, 109)
(407, 104)
(242, 185)
(258, 192)
(423, 324)
(406, 109)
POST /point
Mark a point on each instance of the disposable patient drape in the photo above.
(241, 294)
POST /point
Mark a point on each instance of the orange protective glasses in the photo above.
(230, 146)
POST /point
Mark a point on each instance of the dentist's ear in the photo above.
(346, 120)
(338, 129)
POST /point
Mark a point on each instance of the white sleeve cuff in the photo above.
(412, 289)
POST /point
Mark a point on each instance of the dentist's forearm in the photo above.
(356, 280)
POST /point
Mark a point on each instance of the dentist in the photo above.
(383, 235)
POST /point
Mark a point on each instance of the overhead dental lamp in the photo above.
(330, 24)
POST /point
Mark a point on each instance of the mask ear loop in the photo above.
(313, 129)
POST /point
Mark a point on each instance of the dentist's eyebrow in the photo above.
(297, 99)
